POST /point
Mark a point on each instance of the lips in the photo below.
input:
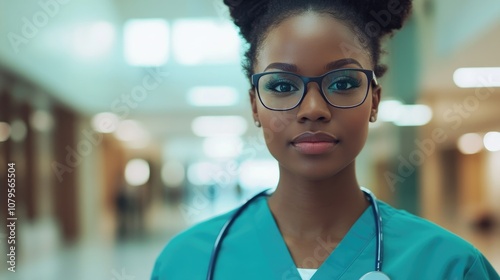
(310, 143)
(314, 138)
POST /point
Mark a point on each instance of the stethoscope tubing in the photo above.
(225, 229)
(223, 232)
(378, 229)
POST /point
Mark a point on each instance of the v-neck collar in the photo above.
(338, 262)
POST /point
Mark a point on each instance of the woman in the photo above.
(313, 68)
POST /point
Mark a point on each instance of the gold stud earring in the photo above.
(257, 124)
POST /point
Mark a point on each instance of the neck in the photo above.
(306, 209)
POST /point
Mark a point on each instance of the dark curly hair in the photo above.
(371, 20)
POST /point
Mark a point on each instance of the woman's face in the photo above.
(312, 44)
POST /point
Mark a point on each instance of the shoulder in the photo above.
(198, 234)
(189, 248)
(400, 223)
(418, 241)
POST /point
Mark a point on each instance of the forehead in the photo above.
(311, 41)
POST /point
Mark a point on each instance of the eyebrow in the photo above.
(282, 66)
(330, 66)
(342, 62)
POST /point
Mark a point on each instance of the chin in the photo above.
(318, 173)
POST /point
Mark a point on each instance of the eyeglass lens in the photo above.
(342, 88)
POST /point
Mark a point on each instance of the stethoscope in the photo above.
(372, 275)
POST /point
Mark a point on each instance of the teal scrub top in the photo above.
(254, 249)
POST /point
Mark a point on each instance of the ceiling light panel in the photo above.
(214, 126)
(146, 42)
(205, 41)
(477, 77)
(212, 96)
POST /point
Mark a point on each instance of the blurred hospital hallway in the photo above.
(125, 122)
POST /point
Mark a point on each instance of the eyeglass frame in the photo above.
(370, 75)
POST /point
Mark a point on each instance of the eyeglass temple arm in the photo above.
(375, 81)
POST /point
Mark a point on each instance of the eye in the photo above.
(344, 83)
(284, 87)
(281, 86)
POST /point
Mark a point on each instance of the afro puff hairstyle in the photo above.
(256, 17)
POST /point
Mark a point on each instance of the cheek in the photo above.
(274, 123)
(354, 123)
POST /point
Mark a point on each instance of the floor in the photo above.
(132, 260)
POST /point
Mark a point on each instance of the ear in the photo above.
(376, 95)
(253, 102)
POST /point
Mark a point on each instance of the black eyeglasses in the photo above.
(341, 88)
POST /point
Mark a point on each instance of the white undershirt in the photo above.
(306, 273)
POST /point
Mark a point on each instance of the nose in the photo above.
(314, 107)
